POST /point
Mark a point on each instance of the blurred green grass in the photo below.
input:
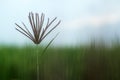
(62, 63)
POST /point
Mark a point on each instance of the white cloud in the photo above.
(94, 21)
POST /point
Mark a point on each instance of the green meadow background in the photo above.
(91, 62)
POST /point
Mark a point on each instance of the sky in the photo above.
(81, 19)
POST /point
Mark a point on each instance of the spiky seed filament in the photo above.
(38, 31)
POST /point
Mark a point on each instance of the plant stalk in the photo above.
(37, 64)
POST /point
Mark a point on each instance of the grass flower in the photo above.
(38, 33)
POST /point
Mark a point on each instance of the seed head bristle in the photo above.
(36, 23)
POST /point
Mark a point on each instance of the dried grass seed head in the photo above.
(38, 31)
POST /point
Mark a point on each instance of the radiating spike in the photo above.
(28, 31)
(39, 32)
(25, 34)
(51, 30)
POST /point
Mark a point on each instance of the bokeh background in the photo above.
(87, 48)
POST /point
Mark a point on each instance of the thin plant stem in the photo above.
(49, 44)
(37, 59)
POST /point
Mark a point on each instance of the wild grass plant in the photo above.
(39, 33)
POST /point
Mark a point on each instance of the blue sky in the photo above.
(81, 19)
